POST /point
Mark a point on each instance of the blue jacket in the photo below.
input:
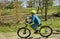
(35, 19)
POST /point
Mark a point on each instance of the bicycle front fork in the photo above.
(25, 29)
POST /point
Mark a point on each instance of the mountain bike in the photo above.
(44, 31)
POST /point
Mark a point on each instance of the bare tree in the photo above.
(16, 9)
(2, 5)
(0, 17)
(46, 5)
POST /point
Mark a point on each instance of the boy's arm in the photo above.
(32, 20)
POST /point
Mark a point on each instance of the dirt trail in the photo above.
(13, 35)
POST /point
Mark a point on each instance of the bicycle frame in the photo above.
(25, 29)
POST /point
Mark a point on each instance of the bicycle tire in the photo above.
(21, 29)
(48, 34)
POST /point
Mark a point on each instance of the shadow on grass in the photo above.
(33, 38)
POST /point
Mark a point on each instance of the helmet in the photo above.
(33, 12)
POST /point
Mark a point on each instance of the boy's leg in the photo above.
(34, 26)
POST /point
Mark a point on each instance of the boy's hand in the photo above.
(27, 19)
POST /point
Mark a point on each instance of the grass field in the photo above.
(28, 10)
(54, 23)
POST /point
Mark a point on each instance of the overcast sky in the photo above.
(56, 2)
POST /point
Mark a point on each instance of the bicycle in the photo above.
(24, 32)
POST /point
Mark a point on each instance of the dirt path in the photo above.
(13, 35)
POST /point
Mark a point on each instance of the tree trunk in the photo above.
(16, 10)
(0, 16)
(46, 10)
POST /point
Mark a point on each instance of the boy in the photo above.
(35, 20)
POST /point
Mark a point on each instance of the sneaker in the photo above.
(36, 32)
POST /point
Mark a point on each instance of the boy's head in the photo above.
(33, 12)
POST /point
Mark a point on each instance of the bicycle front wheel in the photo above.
(45, 31)
(23, 32)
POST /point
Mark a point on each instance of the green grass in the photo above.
(28, 10)
(4, 28)
(54, 23)
(13, 28)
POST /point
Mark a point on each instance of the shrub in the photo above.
(57, 14)
(9, 6)
(5, 12)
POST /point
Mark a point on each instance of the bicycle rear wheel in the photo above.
(45, 31)
(23, 32)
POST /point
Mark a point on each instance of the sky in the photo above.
(56, 2)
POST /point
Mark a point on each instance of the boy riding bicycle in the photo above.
(35, 20)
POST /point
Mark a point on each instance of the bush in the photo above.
(5, 12)
(57, 14)
(9, 6)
